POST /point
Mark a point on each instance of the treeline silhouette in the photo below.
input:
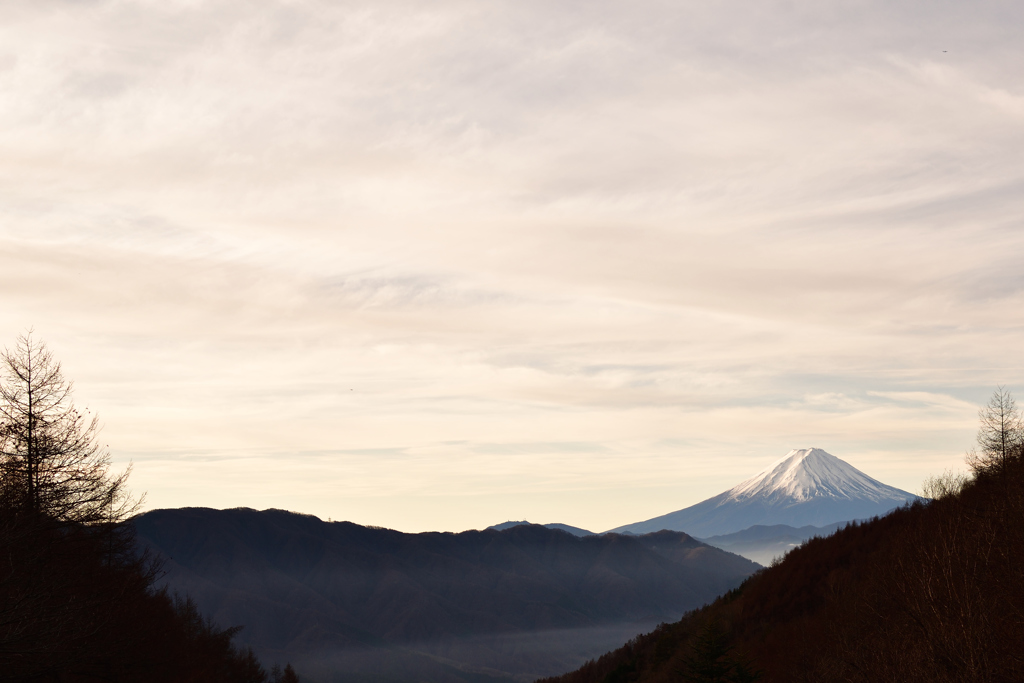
(77, 600)
(931, 592)
(77, 604)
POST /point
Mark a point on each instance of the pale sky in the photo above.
(438, 265)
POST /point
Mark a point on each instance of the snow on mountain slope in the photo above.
(807, 486)
(812, 473)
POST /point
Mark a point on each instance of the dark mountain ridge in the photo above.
(309, 590)
(574, 530)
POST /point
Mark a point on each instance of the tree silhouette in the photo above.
(287, 675)
(1000, 435)
(51, 463)
(77, 600)
(711, 659)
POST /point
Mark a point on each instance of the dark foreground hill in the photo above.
(346, 602)
(931, 592)
(77, 605)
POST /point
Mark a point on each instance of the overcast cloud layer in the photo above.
(439, 265)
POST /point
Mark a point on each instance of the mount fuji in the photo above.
(806, 487)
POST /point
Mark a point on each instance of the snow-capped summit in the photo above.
(810, 473)
(806, 487)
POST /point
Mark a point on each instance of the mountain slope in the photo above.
(526, 601)
(806, 487)
(931, 592)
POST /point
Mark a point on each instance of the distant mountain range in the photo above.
(759, 543)
(344, 602)
(574, 530)
(806, 487)
(805, 484)
(762, 544)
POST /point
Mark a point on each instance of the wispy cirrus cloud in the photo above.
(472, 236)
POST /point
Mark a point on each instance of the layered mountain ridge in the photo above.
(344, 602)
(805, 487)
(763, 544)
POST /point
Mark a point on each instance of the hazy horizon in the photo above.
(436, 267)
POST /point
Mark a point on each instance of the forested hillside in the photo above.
(76, 605)
(931, 592)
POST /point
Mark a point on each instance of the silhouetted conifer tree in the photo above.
(287, 675)
(711, 659)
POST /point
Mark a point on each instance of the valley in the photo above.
(341, 601)
(514, 602)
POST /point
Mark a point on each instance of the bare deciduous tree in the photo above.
(949, 483)
(1000, 435)
(51, 463)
